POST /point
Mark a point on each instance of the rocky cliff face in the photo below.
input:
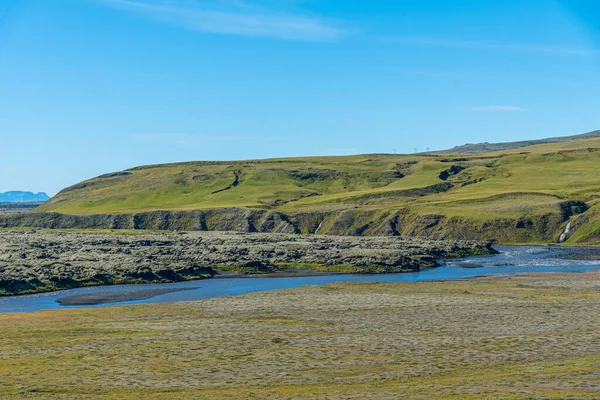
(352, 222)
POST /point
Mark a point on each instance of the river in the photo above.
(511, 260)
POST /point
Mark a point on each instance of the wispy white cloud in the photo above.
(498, 46)
(229, 17)
(494, 108)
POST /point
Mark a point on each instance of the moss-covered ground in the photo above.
(525, 337)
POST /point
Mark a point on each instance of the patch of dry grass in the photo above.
(520, 337)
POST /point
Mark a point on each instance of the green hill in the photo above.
(471, 148)
(515, 196)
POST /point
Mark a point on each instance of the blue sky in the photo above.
(94, 86)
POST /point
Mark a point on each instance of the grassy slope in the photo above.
(509, 184)
(533, 337)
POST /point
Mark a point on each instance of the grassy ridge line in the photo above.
(479, 148)
(523, 185)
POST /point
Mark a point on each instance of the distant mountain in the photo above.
(16, 196)
(478, 148)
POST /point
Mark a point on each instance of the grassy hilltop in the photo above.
(526, 194)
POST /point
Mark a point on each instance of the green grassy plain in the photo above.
(515, 184)
(525, 337)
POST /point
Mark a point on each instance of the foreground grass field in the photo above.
(504, 338)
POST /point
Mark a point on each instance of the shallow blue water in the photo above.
(512, 260)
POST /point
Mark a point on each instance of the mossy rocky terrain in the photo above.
(17, 208)
(42, 261)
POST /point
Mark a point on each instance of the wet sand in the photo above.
(115, 297)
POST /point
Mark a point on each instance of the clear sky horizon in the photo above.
(94, 86)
